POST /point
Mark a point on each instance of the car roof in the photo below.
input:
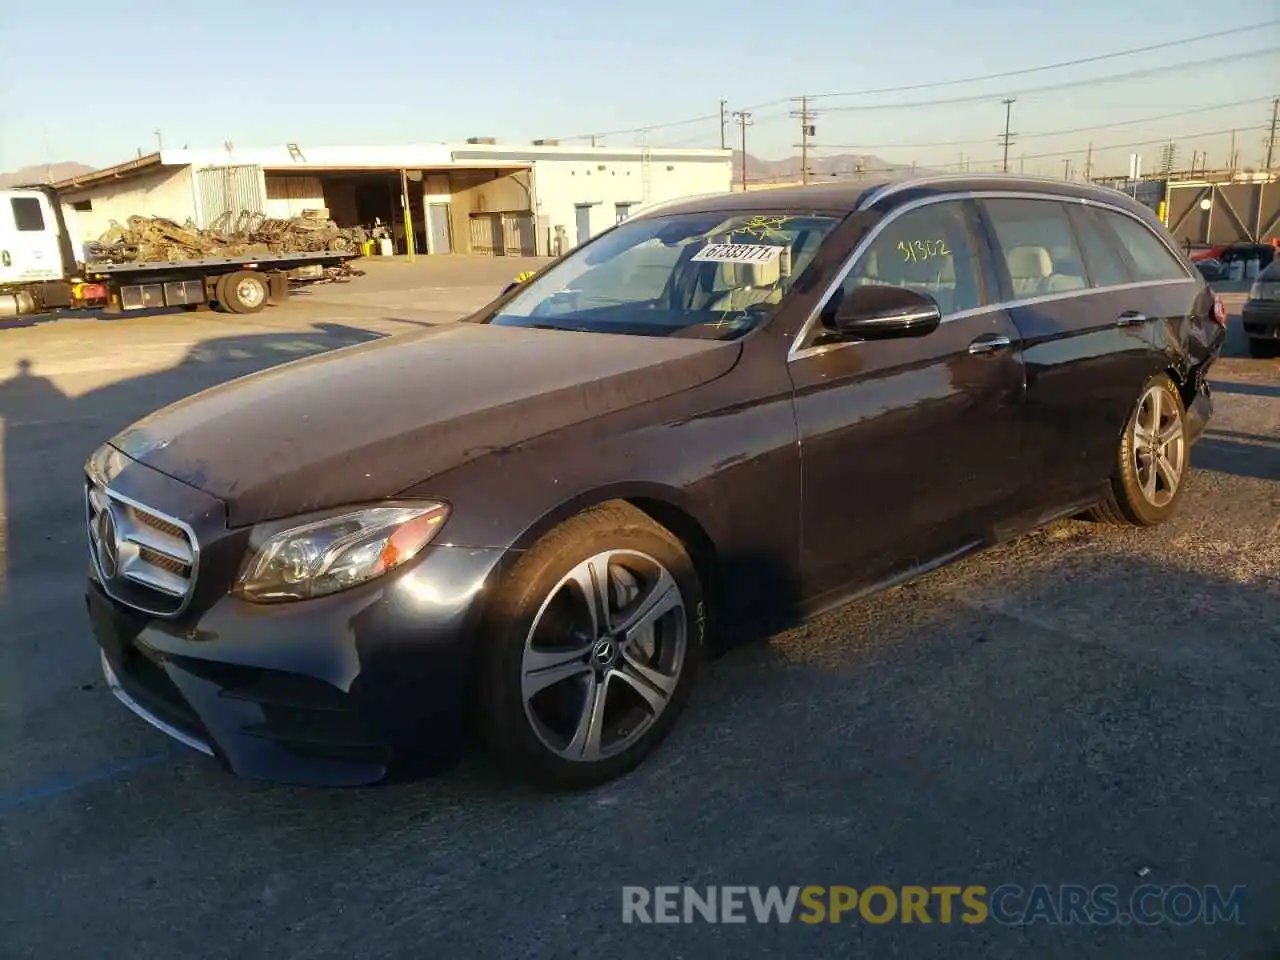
(846, 196)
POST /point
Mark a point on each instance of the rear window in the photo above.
(1151, 258)
(27, 215)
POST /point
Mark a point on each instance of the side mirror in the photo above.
(875, 312)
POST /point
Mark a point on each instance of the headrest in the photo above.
(1029, 262)
(753, 274)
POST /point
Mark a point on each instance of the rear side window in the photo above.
(928, 250)
(1102, 255)
(1038, 247)
(27, 215)
(1151, 258)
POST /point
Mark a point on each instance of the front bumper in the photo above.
(338, 691)
(1261, 319)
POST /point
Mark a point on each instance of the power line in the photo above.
(919, 145)
(1090, 150)
(1059, 87)
(1005, 74)
(1235, 57)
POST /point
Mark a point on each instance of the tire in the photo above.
(538, 621)
(1263, 349)
(1149, 477)
(244, 291)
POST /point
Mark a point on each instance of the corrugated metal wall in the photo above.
(230, 191)
(502, 234)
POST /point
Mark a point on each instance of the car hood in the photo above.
(366, 422)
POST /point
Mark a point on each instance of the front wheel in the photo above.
(592, 644)
(1152, 460)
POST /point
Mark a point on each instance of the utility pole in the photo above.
(743, 119)
(1088, 164)
(807, 129)
(160, 140)
(1271, 140)
(1066, 169)
(724, 144)
(1234, 159)
(1006, 138)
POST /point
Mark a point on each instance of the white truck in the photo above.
(41, 270)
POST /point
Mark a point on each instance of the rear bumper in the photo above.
(1261, 319)
(340, 691)
(1199, 412)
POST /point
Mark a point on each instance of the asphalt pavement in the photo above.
(1087, 705)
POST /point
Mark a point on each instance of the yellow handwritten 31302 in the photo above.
(917, 250)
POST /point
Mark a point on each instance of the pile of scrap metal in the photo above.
(155, 238)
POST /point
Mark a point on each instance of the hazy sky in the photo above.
(91, 82)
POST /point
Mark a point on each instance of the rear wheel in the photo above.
(243, 291)
(592, 644)
(1263, 349)
(1152, 460)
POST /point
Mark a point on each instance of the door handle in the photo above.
(1130, 318)
(989, 344)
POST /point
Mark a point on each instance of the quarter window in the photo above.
(1038, 247)
(1151, 258)
(1101, 254)
(929, 250)
(27, 215)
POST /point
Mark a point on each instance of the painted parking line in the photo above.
(63, 785)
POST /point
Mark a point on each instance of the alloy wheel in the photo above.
(604, 655)
(1159, 447)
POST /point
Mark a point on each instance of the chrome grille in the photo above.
(144, 559)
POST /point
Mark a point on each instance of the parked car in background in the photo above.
(713, 419)
(1211, 269)
(1261, 313)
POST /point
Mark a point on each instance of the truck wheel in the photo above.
(243, 291)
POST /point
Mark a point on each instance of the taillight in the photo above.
(1219, 311)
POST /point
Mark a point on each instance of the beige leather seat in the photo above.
(1029, 269)
(748, 285)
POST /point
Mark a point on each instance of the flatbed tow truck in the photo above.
(40, 271)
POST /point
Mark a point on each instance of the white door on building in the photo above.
(438, 228)
(29, 247)
(583, 212)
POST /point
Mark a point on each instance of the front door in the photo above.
(438, 228)
(583, 212)
(909, 446)
(29, 249)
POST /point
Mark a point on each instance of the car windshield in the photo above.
(705, 275)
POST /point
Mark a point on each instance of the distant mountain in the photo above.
(840, 166)
(44, 173)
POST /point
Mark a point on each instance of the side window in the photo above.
(1102, 258)
(928, 249)
(1038, 247)
(27, 215)
(1151, 258)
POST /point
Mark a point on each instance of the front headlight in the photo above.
(329, 555)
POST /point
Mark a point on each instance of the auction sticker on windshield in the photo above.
(738, 253)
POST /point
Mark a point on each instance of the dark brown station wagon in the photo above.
(718, 417)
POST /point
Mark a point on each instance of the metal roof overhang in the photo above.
(120, 171)
(316, 168)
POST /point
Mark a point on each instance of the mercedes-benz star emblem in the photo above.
(108, 547)
(604, 652)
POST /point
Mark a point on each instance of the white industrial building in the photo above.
(477, 197)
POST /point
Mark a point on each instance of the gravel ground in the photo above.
(1086, 705)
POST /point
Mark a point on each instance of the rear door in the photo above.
(29, 249)
(910, 446)
(1086, 314)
